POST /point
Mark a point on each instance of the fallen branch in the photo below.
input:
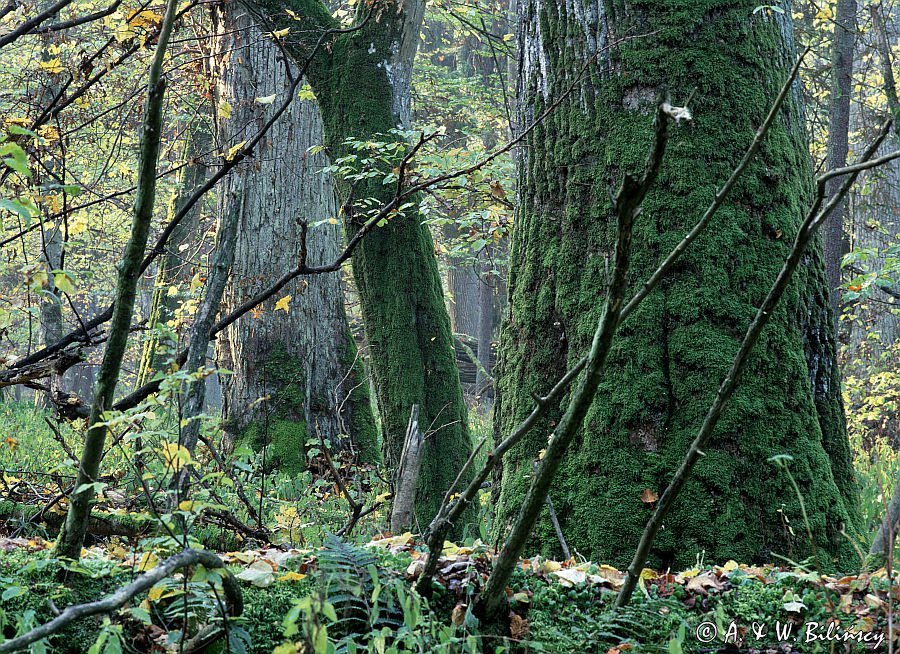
(188, 557)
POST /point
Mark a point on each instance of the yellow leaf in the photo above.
(143, 18)
(124, 31)
(155, 594)
(52, 66)
(283, 303)
(243, 557)
(78, 224)
(148, 562)
(393, 541)
(176, 456)
(550, 566)
(291, 576)
(224, 110)
(232, 152)
(332, 221)
(188, 505)
(648, 574)
(730, 566)
(269, 99)
(280, 34)
(173, 291)
(49, 132)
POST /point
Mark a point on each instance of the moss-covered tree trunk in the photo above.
(297, 351)
(361, 79)
(672, 353)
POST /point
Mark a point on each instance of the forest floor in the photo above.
(356, 595)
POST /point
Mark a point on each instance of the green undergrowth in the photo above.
(362, 597)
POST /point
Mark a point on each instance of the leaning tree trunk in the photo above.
(297, 349)
(174, 269)
(671, 354)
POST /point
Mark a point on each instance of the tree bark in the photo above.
(300, 354)
(51, 247)
(485, 331)
(663, 370)
(836, 244)
(362, 85)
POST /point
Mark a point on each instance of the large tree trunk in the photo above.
(362, 83)
(299, 354)
(671, 355)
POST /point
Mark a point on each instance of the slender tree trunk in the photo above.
(876, 225)
(297, 349)
(464, 287)
(362, 84)
(71, 536)
(664, 369)
(198, 340)
(876, 208)
(485, 324)
(836, 244)
(51, 305)
(174, 268)
(51, 250)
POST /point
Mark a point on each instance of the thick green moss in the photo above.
(671, 355)
(283, 431)
(284, 440)
(264, 609)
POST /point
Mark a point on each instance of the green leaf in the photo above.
(12, 591)
(18, 129)
(141, 615)
(15, 158)
(64, 282)
(14, 206)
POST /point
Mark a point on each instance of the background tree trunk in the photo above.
(836, 243)
(302, 356)
(672, 353)
(362, 84)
